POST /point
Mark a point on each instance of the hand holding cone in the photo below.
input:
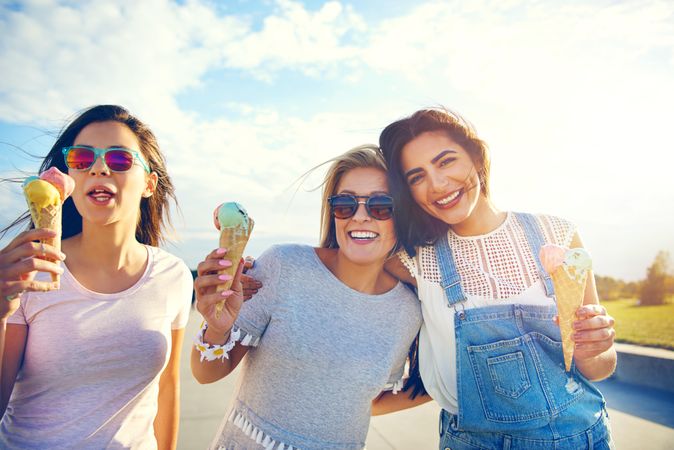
(45, 196)
(235, 228)
(568, 269)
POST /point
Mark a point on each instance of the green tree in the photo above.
(655, 286)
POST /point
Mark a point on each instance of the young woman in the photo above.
(94, 362)
(328, 331)
(489, 351)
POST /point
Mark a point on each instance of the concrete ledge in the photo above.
(645, 366)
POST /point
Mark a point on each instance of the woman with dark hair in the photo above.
(489, 350)
(326, 334)
(94, 362)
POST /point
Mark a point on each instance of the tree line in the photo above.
(653, 290)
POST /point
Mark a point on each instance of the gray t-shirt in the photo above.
(322, 352)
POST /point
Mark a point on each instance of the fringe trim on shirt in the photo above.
(256, 434)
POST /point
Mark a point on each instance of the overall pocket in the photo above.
(519, 383)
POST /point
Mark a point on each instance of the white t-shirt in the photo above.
(495, 268)
(92, 362)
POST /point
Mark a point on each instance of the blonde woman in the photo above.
(325, 335)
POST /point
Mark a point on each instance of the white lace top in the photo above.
(495, 268)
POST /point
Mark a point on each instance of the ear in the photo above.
(151, 184)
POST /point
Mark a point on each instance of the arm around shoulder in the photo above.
(396, 268)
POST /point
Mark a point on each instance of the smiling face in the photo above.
(362, 239)
(104, 197)
(441, 176)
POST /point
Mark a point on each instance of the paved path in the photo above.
(642, 418)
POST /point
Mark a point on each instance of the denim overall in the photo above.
(513, 391)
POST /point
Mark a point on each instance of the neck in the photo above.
(484, 218)
(107, 246)
(366, 278)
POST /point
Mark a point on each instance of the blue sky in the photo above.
(574, 98)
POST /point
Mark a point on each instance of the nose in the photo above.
(99, 167)
(438, 181)
(361, 213)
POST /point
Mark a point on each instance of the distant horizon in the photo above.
(573, 99)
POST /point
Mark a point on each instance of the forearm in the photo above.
(599, 367)
(167, 421)
(205, 371)
(388, 402)
(208, 371)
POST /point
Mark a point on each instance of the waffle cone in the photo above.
(50, 218)
(570, 292)
(234, 239)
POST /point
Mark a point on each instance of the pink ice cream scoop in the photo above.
(63, 182)
(552, 256)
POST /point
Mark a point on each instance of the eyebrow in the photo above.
(105, 148)
(346, 191)
(435, 159)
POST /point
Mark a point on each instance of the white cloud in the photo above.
(574, 98)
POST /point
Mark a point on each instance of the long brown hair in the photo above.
(154, 218)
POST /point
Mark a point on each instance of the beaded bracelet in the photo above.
(211, 352)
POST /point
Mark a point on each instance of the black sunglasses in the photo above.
(344, 206)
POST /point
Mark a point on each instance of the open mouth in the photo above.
(100, 195)
(450, 200)
(363, 236)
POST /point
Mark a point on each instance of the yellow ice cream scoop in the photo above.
(41, 193)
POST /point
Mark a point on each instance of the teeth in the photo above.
(363, 234)
(448, 199)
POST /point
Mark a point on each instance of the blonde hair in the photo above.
(363, 156)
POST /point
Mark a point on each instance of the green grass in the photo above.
(652, 326)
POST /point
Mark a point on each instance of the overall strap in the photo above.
(451, 281)
(534, 235)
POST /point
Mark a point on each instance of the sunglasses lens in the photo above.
(380, 207)
(119, 160)
(343, 206)
(79, 158)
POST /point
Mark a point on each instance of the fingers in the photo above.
(594, 322)
(591, 348)
(248, 263)
(588, 311)
(14, 288)
(21, 270)
(214, 262)
(28, 236)
(250, 286)
(593, 331)
(31, 249)
(206, 284)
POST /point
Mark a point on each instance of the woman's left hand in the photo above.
(593, 331)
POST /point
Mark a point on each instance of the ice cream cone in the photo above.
(569, 291)
(568, 269)
(234, 239)
(235, 228)
(48, 217)
(45, 196)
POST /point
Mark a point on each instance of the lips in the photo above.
(101, 195)
(363, 235)
(449, 200)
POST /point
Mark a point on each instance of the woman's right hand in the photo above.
(207, 298)
(20, 261)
